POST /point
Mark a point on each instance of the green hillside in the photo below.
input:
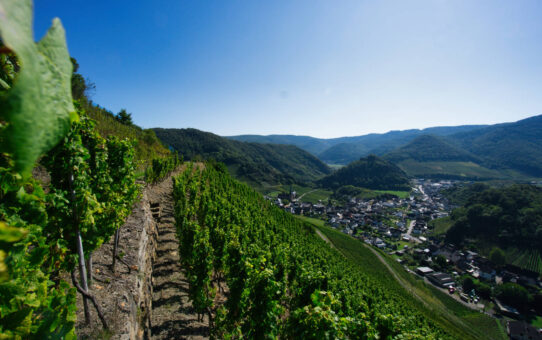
(284, 280)
(370, 172)
(309, 144)
(258, 164)
(147, 145)
(343, 153)
(464, 322)
(429, 148)
(516, 146)
(344, 150)
(509, 217)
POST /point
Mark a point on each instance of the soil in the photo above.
(114, 291)
(171, 314)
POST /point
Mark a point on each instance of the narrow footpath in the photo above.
(173, 316)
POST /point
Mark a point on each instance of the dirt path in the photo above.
(324, 237)
(173, 316)
(308, 192)
(403, 284)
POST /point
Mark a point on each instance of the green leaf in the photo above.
(10, 234)
(38, 108)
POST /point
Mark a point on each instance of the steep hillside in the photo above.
(256, 163)
(371, 172)
(147, 145)
(516, 145)
(284, 281)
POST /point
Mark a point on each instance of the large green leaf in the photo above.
(38, 107)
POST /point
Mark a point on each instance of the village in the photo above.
(402, 228)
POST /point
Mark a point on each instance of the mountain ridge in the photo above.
(256, 163)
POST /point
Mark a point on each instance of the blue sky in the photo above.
(319, 68)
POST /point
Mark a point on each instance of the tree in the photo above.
(468, 284)
(513, 294)
(81, 87)
(124, 117)
(441, 261)
(497, 256)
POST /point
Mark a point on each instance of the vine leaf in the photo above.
(38, 108)
(8, 235)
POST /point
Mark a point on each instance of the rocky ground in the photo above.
(146, 296)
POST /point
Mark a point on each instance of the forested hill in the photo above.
(256, 163)
(370, 172)
(513, 145)
(309, 144)
(509, 217)
(429, 148)
(344, 150)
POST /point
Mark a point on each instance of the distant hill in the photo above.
(309, 144)
(256, 163)
(344, 150)
(371, 172)
(432, 156)
(516, 146)
(343, 153)
(427, 148)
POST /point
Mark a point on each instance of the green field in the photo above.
(441, 225)
(313, 195)
(537, 322)
(315, 221)
(439, 307)
(400, 194)
(335, 166)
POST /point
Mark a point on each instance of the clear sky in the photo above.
(319, 68)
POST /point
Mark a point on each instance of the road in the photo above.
(409, 231)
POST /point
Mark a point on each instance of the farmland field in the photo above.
(529, 259)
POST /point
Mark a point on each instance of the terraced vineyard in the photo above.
(529, 259)
(283, 280)
(437, 305)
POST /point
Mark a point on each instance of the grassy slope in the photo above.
(464, 322)
(441, 225)
(148, 146)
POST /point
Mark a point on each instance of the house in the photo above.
(423, 271)
(379, 243)
(441, 279)
(520, 330)
(506, 310)
(485, 269)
